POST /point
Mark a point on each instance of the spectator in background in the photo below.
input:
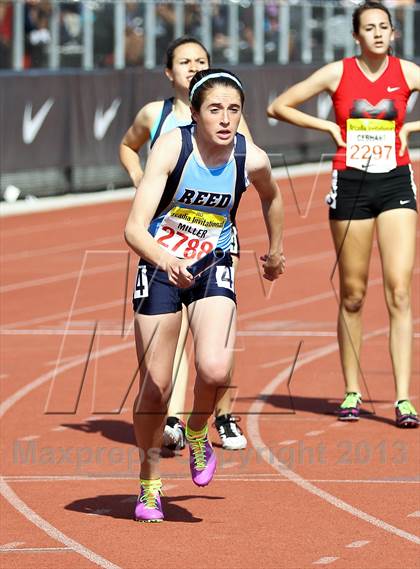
(6, 16)
(134, 34)
(70, 23)
(103, 34)
(37, 33)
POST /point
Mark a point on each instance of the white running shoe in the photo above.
(231, 435)
(174, 434)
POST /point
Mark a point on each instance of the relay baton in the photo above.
(206, 262)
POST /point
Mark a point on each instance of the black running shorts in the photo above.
(356, 194)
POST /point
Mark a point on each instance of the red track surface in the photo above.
(307, 492)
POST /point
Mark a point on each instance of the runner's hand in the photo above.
(404, 139)
(178, 274)
(274, 265)
(335, 132)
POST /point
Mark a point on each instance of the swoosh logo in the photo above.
(104, 119)
(403, 202)
(32, 124)
(392, 89)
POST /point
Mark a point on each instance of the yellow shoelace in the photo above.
(351, 400)
(151, 489)
(406, 408)
(198, 447)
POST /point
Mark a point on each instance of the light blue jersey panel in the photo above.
(166, 122)
(210, 190)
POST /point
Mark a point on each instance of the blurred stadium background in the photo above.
(73, 75)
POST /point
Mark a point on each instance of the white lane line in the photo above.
(10, 495)
(64, 315)
(104, 306)
(59, 278)
(59, 249)
(63, 360)
(51, 530)
(60, 332)
(286, 360)
(225, 465)
(93, 418)
(35, 549)
(290, 208)
(99, 512)
(29, 438)
(75, 221)
(294, 231)
(255, 438)
(23, 391)
(414, 515)
(289, 442)
(294, 262)
(114, 332)
(288, 333)
(96, 243)
(357, 544)
(21, 507)
(313, 433)
(275, 308)
(92, 272)
(289, 232)
(59, 428)
(325, 560)
(61, 202)
(23, 207)
(11, 545)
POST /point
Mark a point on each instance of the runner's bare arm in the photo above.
(135, 137)
(411, 73)
(284, 106)
(158, 167)
(259, 171)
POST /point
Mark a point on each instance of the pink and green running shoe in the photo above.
(202, 459)
(405, 415)
(148, 506)
(349, 410)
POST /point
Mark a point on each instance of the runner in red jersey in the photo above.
(372, 187)
(358, 97)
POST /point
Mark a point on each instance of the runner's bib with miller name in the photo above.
(371, 145)
(189, 233)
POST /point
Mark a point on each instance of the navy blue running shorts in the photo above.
(362, 195)
(154, 294)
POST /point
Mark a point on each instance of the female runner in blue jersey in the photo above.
(184, 57)
(184, 208)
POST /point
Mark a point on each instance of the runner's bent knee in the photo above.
(214, 371)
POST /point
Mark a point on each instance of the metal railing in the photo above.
(92, 34)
